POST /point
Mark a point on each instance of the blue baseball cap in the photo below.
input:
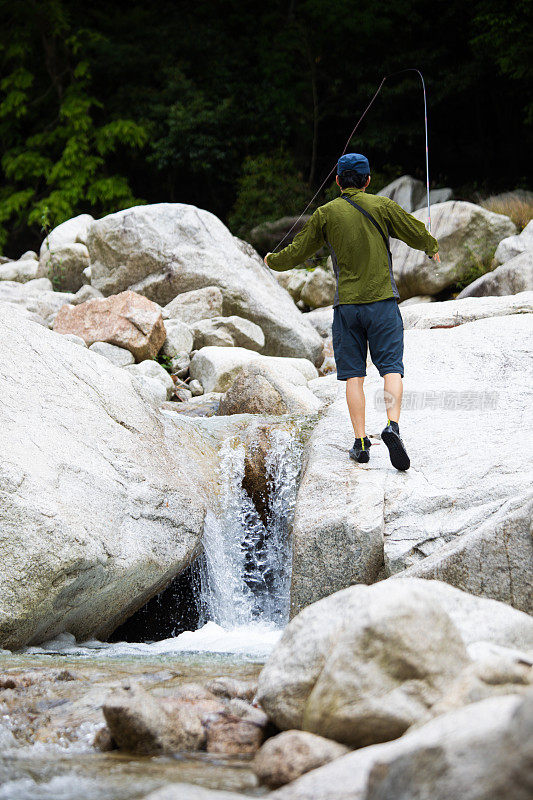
(355, 162)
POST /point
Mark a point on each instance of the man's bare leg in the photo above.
(355, 397)
(390, 435)
(393, 391)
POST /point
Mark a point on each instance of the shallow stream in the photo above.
(57, 714)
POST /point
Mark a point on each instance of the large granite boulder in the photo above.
(127, 320)
(101, 504)
(217, 367)
(479, 752)
(465, 500)
(408, 192)
(164, 249)
(465, 231)
(515, 245)
(366, 663)
(515, 276)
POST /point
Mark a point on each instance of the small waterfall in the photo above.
(245, 569)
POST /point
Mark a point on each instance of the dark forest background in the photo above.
(242, 108)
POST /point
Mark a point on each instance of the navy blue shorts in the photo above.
(377, 325)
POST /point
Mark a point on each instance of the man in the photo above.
(356, 227)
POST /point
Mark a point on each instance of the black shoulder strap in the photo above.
(374, 223)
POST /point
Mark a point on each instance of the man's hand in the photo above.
(265, 259)
(436, 258)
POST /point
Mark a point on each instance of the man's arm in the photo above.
(410, 230)
(304, 245)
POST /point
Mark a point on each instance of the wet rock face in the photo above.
(255, 481)
(191, 719)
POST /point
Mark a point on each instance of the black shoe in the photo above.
(361, 450)
(397, 452)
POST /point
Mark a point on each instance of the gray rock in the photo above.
(22, 271)
(86, 292)
(293, 281)
(164, 249)
(231, 331)
(285, 757)
(196, 388)
(117, 355)
(438, 196)
(266, 236)
(64, 265)
(408, 192)
(29, 254)
(144, 724)
(179, 338)
(102, 505)
(39, 285)
(319, 289)
(338, 527)
(180, 365)
(450, 313)
(505, 549)
(321, 319)
(259, 389)
(512, 277)
(216, 367)
(71, 337)
(366, 663)
(486, 758)
(363, 665)
(70, 231)
(195, 305)
(33, 298)
(515, 245)
(463, 230)
(480, 752)
(226, 686)
(152, 371)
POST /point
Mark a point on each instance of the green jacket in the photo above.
(357, 250)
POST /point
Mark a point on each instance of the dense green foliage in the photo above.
(243, 109)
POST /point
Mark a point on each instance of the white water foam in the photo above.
(253, 641)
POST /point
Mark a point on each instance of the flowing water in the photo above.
(240, 587)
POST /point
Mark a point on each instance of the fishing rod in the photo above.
(350, 137)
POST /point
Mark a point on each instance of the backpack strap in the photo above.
(385, 239)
